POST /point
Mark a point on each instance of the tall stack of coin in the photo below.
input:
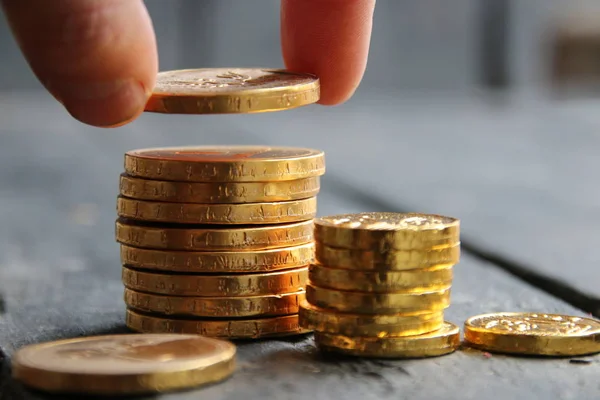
(380, 284)
(216, 240)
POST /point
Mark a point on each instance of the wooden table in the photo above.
(519, 172)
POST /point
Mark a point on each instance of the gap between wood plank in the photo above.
(550, 285)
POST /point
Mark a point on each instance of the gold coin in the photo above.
(534, 334)
(124, 364)
(380, 281)
(329, 321)
(271, 283)
(443, 341)
(231, 329)
(225, 163)
(214, 238)
(218, 192)
(221, 307)
(385, 231)
(218, 262)
(379, 303)
(223, 214)
(231, 90)
(391, 260)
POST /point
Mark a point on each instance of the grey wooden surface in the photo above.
(514, 187)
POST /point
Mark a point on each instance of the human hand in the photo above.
(99, 57)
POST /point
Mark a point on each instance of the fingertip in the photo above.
(97, 58)
(331, 39)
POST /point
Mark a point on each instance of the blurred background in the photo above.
(425, 45)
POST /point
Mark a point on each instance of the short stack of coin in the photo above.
(380, 284)
(217, 240)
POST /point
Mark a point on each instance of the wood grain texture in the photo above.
(60, 274)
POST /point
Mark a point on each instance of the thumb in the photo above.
(97, 57)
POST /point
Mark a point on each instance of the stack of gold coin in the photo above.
(217, 240)
(380, 284)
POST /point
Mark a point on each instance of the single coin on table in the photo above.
(215, 306)
(231, 90)
(218, 192)
(533, 334)
(380, 281)
(443, 341)
(225, 163)
(218, 214)
(224, 328)
(257, 284)
(390, 260)
(214, 238)
(124, 364)
(379, 303)
(222, 262)
(347, 324)
(382, 231)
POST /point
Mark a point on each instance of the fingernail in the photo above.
(103, 104)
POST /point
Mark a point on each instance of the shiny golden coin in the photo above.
(271, 283)
(215, 238)
(215, 307)
(385, 231)
(218, 262)
(330, 321)
(221, 214)
(534, 334)
(231, 329)
(443, 341)
(231, 91)
(391, 260)
(218, 192)
(418, 302)
(380, 281)
(225, 163)
(124, 364)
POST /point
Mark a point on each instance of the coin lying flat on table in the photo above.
(231, 90)
(216, 306)
(217, 238)
(330, 321)
(392, 260)
(124, 364)
(225, 163)
(270, 283)
(222, 214)
(227, 328)
(534, 334)
(443, 341)
(380, 281)
(379, 303)
(384, 231)
(218, 192)
(218, 261)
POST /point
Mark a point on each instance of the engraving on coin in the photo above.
(232, 329)
(218, 262)
(378, 303)
(249, 306)
(534, 334)
(234, 238)
(443, 341)
(218, 192)
(386, 231)
(231, 90)
(120, 364)
(348, 324)
(220, 214)
(273, 283)
(225, 163)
